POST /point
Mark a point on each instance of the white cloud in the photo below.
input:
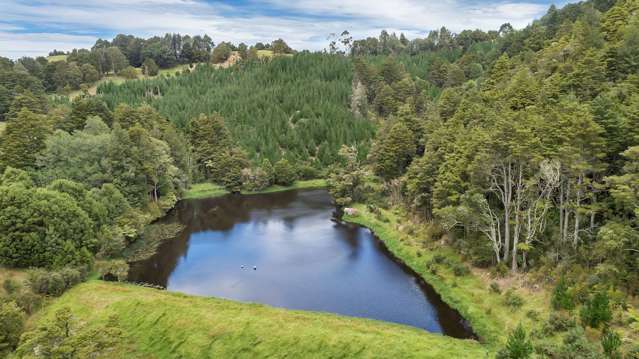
(304, 23)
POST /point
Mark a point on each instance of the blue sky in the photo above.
(31, 28)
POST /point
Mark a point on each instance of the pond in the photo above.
(287, 249)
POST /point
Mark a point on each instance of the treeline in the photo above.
(529, 166)
(82, 181)
(126, 55)
(290, 107)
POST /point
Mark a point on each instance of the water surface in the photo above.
(287, 250)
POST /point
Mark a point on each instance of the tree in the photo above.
(149, 67)
(35, 103)
(115, 59)
(517, 346)
(284, 173)
(210, 139)
(345, 179)
(89, 73)
(63, 336)
(228, 166)
(11, 326)
(41, 227)
(610, 342)
(81, 109)
(78, 157)
(221, 53)
(394, 151)
(596, 311)
(128, 72)
(22, 140)
(279, 46)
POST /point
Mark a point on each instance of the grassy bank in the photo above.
(160, 324)
(469, 293)
(209, 190)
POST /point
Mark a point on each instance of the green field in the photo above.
(56, 58)
(208, 190)
(2, 126)
(160, 324)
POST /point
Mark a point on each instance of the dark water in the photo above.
(304, 259)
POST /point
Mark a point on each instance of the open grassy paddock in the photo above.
(159, 324)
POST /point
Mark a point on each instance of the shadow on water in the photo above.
(288, 249)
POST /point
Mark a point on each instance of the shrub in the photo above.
(11, 326)
(307, 172)
(500, 270)
(129, 73)
(559, 322)
(439, 259)
(149, 67)
(610, 342)
(561, 298)
(494, 287)
(28, 301)
(284, 173)
(54, 282)
(518, 346)
(114, 270)
(532, 314)
(221, 53)
(633, 352)
(460, 270)
(596, 310)
(254, 180)
(513, 300)
(576, 345)
(10, 285)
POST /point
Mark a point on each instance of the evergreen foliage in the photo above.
(294, 107)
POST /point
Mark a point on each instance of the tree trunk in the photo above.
(566, 212)
(575, 238)
(507, 198)
(518, 200)
(561, 212)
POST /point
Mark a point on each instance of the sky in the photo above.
(33, 28)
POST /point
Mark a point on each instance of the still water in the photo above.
(286, 249)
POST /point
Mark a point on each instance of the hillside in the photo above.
(160, 324)
(294, 107)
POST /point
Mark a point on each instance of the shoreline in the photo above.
(210, 190)
(467, 294)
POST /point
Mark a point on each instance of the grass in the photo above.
(264, 53)
(470, 294)
(161, 324)
(209, 190)
(56, 58)
(205, 190)
(3, 125)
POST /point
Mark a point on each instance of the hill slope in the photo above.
(161, 324)
(295, 107)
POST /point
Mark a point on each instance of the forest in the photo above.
(509, 155)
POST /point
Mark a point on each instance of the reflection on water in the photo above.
(285, 249)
